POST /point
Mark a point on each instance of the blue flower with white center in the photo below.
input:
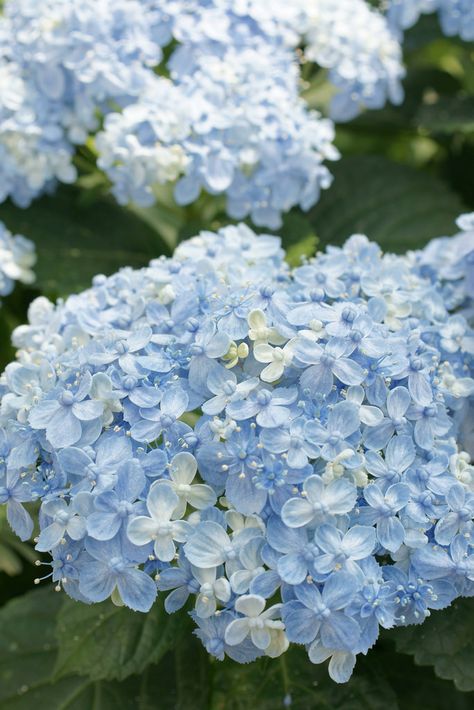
(65, 414)
(454, 564)
(430, 420)
(397, 403)
(328, 280)
(14, 492)
(156, 421)
(113, 508)
(95, 468)
(291, 442)
(423, 506)
(373, 604)
(181, 580)
(298, 551)
(326, 363)
(26, 384)
(271, 408)
(122, 349)
(343, 422)
(319, 614)
(418, 371)
(433, 474)
(459, 518)
(343, 551)
(223, 385)
(64, 519)
(208, 345)
(412, 597)
(111, 570)
(382, 511)
(65, 569)
(399, 455)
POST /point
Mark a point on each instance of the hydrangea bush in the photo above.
(281, 451)
(207, 92)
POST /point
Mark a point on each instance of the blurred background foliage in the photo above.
(405, 175)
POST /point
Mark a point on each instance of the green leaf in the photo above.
(104, 641)
(76, 240)
(447, 114)
(298, 237)
(397, 206)
(28, 652)
(189, 680)
(27, 645)
(293, 681)
(193, 680)
(12, 550)
(445, 641)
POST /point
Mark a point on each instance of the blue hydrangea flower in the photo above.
(320, 614)
(141, 417)
(228, 118)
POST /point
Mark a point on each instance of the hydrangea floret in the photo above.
(282, 451)
(17, 258)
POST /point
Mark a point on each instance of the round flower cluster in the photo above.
(279, 448)
(17, 257)
(456, 16)
(230, 119)
(360, 51)
(61, 64)
(233, 124)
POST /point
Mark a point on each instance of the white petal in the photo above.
(183, 468)
(263, 352)
(161, 501)
(250, 604)
(272, 372)
(237, 631)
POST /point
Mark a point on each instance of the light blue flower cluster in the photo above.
(249, 134)
(278, 449)
(229, 120)
(456, 16)
(240, 130)
(61, 64)
(359, 50)
(17, 257)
